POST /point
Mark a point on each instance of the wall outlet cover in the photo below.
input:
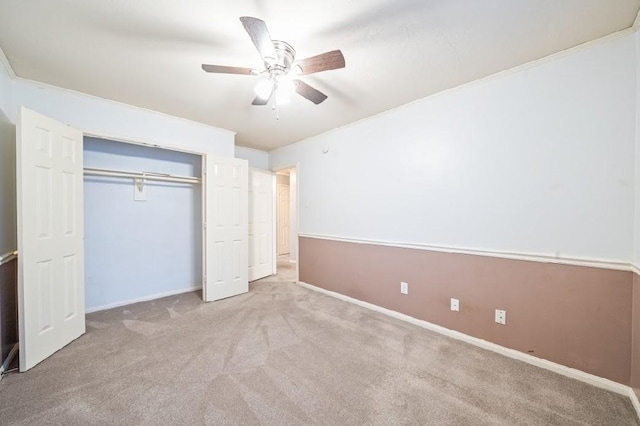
(501, 316)
(455, 305)
(404, 287)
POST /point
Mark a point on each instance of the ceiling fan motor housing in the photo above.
(286, 54)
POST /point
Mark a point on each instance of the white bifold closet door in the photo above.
(50, 236)
(226, 228)
(260, 224)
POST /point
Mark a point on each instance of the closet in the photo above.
(143, 226)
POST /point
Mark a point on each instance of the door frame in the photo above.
(273, 218)
(294, 190)
(279, 216)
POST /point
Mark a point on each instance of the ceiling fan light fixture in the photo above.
(263, 88)
(285, 88)
(282, 101)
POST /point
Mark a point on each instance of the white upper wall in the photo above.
(256, 158)
(115, 120)
(538, 161)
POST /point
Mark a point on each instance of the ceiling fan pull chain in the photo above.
(274, 105)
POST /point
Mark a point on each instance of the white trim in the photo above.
(636, 23)
(142, 299)
(6, 65)
(274, 223)
(134, 141)
(5, 258)
(635, 269)
(10, 357)
(582, 376)
(593, 263)
(282, 168)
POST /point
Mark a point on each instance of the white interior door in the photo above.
(260, 224)
(50, 236)
(226, 228)
(283, 219)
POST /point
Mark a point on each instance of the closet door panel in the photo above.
(226, 250)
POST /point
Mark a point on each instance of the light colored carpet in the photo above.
(285, 355)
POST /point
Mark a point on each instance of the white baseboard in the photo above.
(591, 379)
(142, 299)
(7, 362)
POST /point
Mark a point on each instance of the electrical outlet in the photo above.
(404, 288)
(455, 305)
(501, 316)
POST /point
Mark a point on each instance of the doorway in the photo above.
(261, 224)
(286, 222)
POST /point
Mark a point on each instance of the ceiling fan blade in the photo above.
(260, 101)
(260, 37)
(322, 62)
(306, 91)
(221, 69)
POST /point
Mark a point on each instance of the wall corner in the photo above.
(6, 65)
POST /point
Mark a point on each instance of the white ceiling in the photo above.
(148, 52)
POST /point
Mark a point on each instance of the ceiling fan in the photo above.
(280, 67)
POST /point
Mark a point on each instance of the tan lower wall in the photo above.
(572, 315)
(635, 324)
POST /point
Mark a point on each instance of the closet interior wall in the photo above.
(140, 250)
(8, 263)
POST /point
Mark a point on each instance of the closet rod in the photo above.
(141, 175)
